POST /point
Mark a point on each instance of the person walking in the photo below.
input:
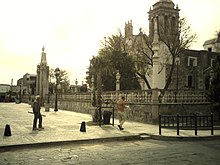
(121, 111)
(37, 114)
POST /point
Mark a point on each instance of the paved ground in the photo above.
(135, 152)
(64, 126)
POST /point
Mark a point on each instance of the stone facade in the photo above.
(29, 82)
(190, 71)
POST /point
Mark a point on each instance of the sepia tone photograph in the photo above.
(118, 82)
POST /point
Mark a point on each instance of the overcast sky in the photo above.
(71, 30)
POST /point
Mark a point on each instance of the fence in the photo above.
(186, 122)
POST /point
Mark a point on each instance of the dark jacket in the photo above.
(36, 107)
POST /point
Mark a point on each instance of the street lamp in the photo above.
(56, 73)
(177, 77)
(76, 83)
(93, 91)
(20, 94)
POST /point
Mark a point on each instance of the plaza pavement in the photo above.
(64, 127)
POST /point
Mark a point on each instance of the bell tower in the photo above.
(128, 29)
(167, 17)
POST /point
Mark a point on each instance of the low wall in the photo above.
(185, 109)
(139, 112)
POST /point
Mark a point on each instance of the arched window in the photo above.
(166, 27)
(158, 24)
(173, 25)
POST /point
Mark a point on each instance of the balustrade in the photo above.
(183, 96)
(141, 96)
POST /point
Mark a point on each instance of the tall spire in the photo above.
(43, 57)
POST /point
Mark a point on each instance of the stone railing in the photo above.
(82, 96)
(131, 96)
(183, 96)
(141, 96)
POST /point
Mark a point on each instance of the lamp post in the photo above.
(76, 83)
(56, 73)
(93, 91)
(177, 74)
(177, 77)
(20, 94)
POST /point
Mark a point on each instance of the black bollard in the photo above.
(83, 127)
(7, 130)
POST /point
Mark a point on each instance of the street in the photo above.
(121, 153)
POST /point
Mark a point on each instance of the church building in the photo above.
(191, 66)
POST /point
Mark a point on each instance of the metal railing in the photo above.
(193, 122)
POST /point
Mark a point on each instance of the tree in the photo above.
(141, 51)
(63, 80)
(214, 87)
(104, 66)
(113, 59)
(175, 43)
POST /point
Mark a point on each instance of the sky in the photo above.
(72, 30)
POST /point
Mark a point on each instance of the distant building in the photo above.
(192, 70)
(4, 89)
(212, 45)
(29, 83)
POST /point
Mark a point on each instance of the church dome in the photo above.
(166, 1)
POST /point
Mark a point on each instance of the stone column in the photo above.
(42, 84)
(155, 76)
(118, 76)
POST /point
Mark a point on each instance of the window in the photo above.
(166, 24)
(192, 61)
(173, 25)
(210, 49)
(190, 81)
(212, 62)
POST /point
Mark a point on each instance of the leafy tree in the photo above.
(112, 59)
(214, 87)
(104, 66)
(63, 78)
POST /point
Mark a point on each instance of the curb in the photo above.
(81, 141)
(183, 138)
(141, 136)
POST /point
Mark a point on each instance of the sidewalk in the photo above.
(64, 126)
